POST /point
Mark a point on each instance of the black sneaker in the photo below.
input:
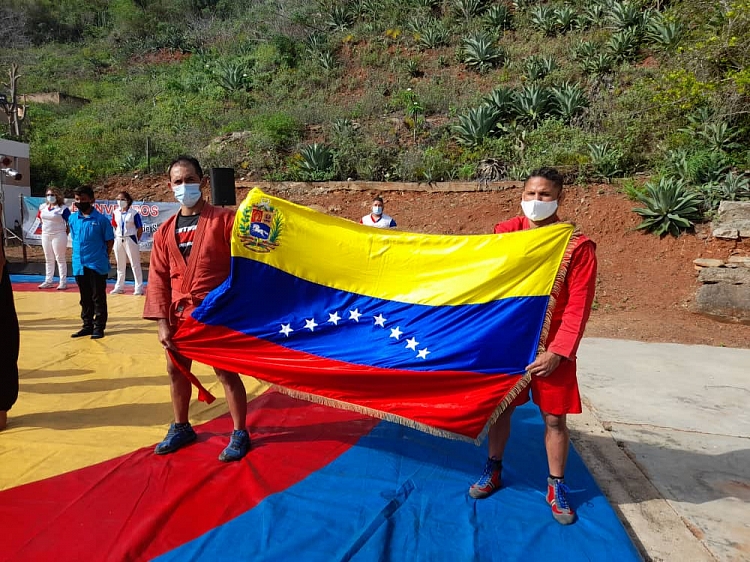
(97, 334)
(82, 332)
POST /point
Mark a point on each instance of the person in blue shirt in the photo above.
(93, 239)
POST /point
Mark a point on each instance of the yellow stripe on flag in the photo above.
(400, 266)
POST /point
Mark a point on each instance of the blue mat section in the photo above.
(401, 495)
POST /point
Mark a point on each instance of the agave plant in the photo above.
(734, 187)
(532, 104)
(584, 50)
(481, 53)
(569, 101)
(498, 17)
(566, 18)
(432, 34)
(665, 34)
(625, 15)
(593, 15)
(623, 45)
(475, 125)
(468, 9)
(316, 43)
(316, 157)
(544, 19)
(669, 207)
(601, 63)
(232, 76)
(501, 100)
(537, 67)
(719, 136)
(605, 160)
(327, 60)
(339, 18)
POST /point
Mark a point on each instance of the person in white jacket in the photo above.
(128, 230)
(53, 215)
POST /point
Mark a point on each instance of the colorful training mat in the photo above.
(79, 480)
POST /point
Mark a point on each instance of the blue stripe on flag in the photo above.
(264, 302)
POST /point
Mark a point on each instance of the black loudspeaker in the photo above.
(222, 186)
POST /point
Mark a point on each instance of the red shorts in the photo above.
(556, 394)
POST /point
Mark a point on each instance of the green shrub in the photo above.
(598, 64)
(566, 18)
(623, 45)
(501, 100)
(468, 9)
(432, 34)
(669, 207)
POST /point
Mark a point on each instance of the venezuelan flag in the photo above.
(430, 331)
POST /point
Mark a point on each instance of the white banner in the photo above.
(153, 214)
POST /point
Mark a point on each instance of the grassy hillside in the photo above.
(415, 90)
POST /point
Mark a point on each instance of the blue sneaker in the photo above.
(177, 437)
(239, 445)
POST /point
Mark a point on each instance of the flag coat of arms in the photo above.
(430, 331)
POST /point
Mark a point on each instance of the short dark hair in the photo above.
(550, 174)
(84, 190)
(127, 196)
(182, 159)
(378, 198)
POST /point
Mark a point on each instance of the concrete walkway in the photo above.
(666, 433)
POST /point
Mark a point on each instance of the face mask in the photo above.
(51, 199)
(84, 207)
(538, 210)
(188, 194)
(377, 211)
(123, 204)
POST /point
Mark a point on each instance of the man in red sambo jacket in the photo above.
(190, 257)
(554, 386)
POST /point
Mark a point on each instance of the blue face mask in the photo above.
(187, 194)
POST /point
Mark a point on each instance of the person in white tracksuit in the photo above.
(53, 215)
(128, 230)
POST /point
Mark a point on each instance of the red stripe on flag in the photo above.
(459, 402)
(141, 505)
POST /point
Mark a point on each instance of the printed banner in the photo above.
(152, 213)
(430, 331)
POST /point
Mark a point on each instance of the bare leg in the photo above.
(179, 388)
(234, 389)
(499, 434)
(557, 442)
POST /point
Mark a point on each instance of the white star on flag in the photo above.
(396, 332)
(286, 329)
(310, 324)
(423, 353)
(379, 320)
(412, 343)
(355, 314)
(334, 318)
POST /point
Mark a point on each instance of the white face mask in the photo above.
(123, 204)
(51, 199)
(377, 211)
(188, 194)
(538, 210)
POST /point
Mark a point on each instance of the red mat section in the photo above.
(141, 505)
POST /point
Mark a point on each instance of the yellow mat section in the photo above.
(84, 401)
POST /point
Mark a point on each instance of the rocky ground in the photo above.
(646, 285)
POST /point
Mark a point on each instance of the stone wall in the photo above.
(725, 290)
